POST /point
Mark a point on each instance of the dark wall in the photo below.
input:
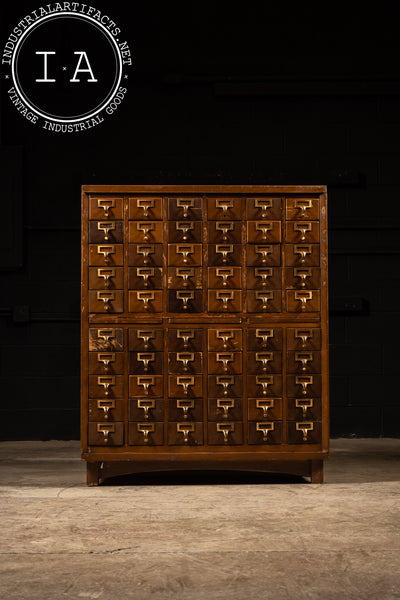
(282, 94)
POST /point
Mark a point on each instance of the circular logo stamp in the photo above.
(67, 67)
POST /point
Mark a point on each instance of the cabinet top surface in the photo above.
(206, 189)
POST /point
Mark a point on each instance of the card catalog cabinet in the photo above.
(204, 329)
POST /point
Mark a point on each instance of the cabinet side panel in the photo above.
(84, 321)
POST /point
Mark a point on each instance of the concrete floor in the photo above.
(200, 536)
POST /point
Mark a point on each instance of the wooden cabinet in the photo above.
(204, 329)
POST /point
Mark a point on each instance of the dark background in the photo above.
(264, 93)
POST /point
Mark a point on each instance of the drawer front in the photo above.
(106, 362)
(185, 434)
(264, 338)
(145, 255)
(304, 385)
(185, 208)
(185, 362)
(106, 386)
(145, 232)
(224, 255)
(146, 362)
(225, 408)
(145, 301)
(146, 386)
(106, 409)
(107, 232)
(265, 409)
(264, 232)
(265, 432)
(302, 231)
(302, 255)
(304, 432)
(146, 409)
(106, 255)
(145, 278)
(185, 339)
(224, 208)
(106, 338)
(264, 301)
(264, 361)
(303, 361)
(111, 278)
(304, 409)
(228, 385)
(303, 338)
(185, 301)
(106, 434)
(224, 277)
(225, 362)
(185, 278)
(225, 232)
(263, 255)
(185, 231)
(259, 278)
(264, 208)
(302, 208)
(303, 301)
(106, 207)
(225, 433)
(185, 409)
(224, 301)
(307, 278)
(184, 255)
(145, 207)
(146, 433)
(106, 301)
(146, 338)
(185, 386)
(225, 338)
(261, 386)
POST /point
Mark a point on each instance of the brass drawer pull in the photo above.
(146, 405)
(264, 358)
(106, 251)
(304, 381)
(146, 204)
(146, 358)
(302, 251)
(265, 404)
(264, 204)
(303, 335)
(264, 381)
(304, 404)
(265, 251)
(185, 381)
(106, 334)
(224, 226)
(145, 297)
(304, 428)
(106, 274)
(225, 358)
(225, 381)
(146, 429)
(185, 358)
(185, 203)
(185, 335)
(146, 382)
(106, 429)
(185, 251)
(264, 335)
(265, 228)
(224, 249)
(264, 273)
(302, 274)
(106, 406)
(106, 228)
(146, 251)
(185, 297)
(225, 404)
(224, 272)
(106, 381)
(185, 273)
(146, 227)
(304, 358)
(106, 298)
(225, 335)
(186, 429)
(224, 203)
(225, 297)
(184, 226)
(302, 228)
(264, 297)
(185, 405)
(303, 297)
(225, 429)
(146, 335)
(106, 204)
(265, 428)
(145, 272)
(303, 205)
(106, 358)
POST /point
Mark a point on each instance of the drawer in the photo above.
(101, 278)
(107, 232)
(185, 231)
(225, 362)
(185, 409)
(264, 409)
(265, 432)
(303, 338)
(225, 433)
(145, 278)
(303, 409)
(106, 207)
(185, 362)
(225, 232)
(106, 434)
(259, 278)
(185, 278)
(264, 207)
(185, 301)
(304, 432)
(264, 232)
(145, 232)
(185, 207)
(302, 255)
(264, 338)
(185, 386)
(106, 338)
(106, 409)
(264, 385)
(106, 386)
(225, 408)
(225, 338)
(146, 433)
(146, 385)
(184, 255)
(146, 338)
(302, 208)
(106, 362)
(182, 339)
(303, 385)
(224, 301)
(220, 386)
(303, 361)
(302, 231)
(303, 301)
(264, 301)
(224, 208)
(264, 361)
(145, 255)
(307, 278)
(224, 277)
(224, 255)
(146, 409)
(106, 255)
(263, 255)
(185, 434)
(146, 362)
(145, 207)
(106, 301)
(145, 301)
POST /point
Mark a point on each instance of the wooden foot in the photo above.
(317, 471)
(92, 473)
